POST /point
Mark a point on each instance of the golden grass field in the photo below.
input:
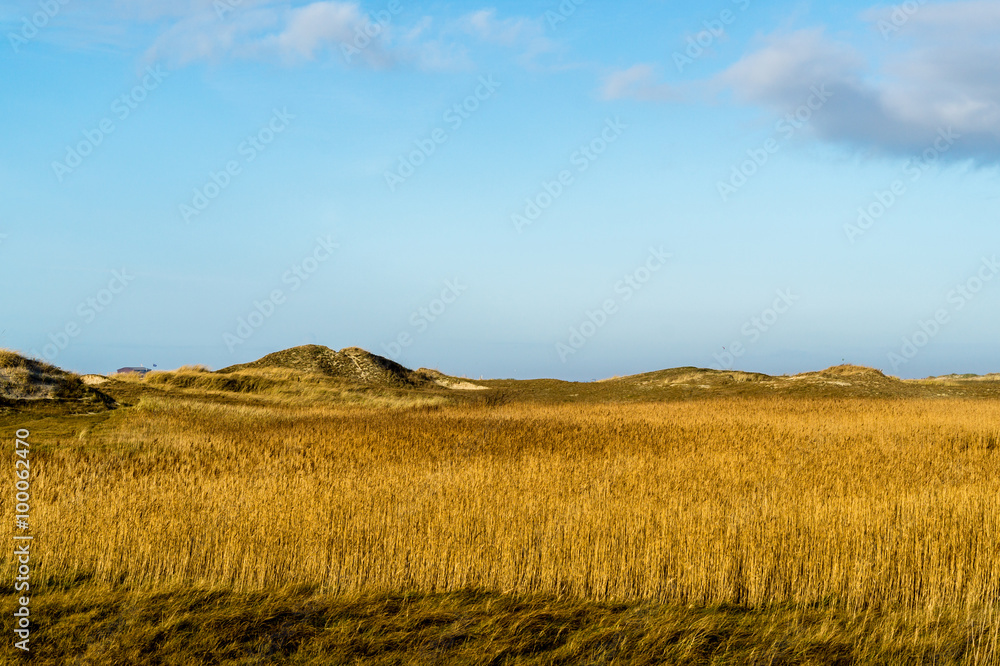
(196, 525)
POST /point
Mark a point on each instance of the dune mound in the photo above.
(24, 379)
(849, 380)
(690, 376)
(353, 365)
(992, 377)
(716, 377)
(859, 371)
(849, 375)
(837, 380)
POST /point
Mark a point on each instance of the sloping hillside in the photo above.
(25, 380)
(352, 365)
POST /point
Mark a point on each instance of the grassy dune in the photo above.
(427, 529)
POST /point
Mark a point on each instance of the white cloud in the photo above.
(955, 19)
(788, 64)
(318, 25)
(310, 30)
(896, 105)
(938, 71)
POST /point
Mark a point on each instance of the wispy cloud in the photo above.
(526, 36)
(184, 32)
(313, 28)
(638, 82)
(291, 35)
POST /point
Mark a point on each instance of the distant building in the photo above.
(133, 371)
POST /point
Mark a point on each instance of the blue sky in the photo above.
(537, 189)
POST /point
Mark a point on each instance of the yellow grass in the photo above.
(856, 503)
(853, 504)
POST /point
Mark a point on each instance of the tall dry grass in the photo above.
(858, 504)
